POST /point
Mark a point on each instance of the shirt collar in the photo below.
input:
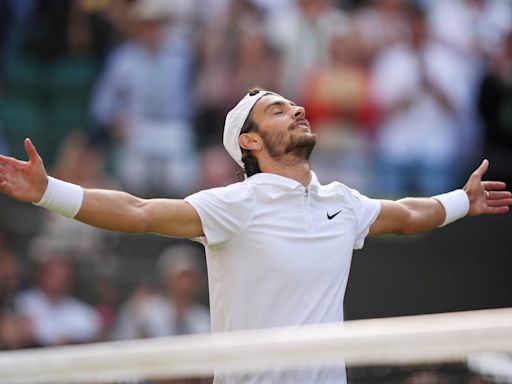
(281, 181)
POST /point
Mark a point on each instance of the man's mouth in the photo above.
(301, 124)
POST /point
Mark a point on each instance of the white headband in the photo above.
(234, 122)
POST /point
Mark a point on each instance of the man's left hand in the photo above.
(486, 197)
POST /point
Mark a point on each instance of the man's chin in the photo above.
(303, 146)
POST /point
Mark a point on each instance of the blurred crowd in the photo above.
(405, 96)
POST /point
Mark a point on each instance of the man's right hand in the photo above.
(25, 181)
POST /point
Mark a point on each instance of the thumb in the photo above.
(33, 156)
(480, 171)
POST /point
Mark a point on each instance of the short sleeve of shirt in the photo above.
(366, 211)
(224, 212)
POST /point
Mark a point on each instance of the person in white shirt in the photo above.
(173, 311)
(57, 318)
(279, 244)
(421, 88)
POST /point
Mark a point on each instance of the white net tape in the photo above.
(405, 340)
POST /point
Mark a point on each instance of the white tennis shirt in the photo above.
(279, 253)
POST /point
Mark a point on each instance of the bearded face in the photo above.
(283, 128)
(279, 143)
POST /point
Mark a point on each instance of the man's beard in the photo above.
(298, 147)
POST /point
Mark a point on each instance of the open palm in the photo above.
(23, 180)
(486, 197)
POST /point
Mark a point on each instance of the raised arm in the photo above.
(414, 215)
(27, 181)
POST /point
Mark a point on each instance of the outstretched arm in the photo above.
(27, 181)
(414, 215)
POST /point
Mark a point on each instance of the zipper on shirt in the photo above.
(309, 225)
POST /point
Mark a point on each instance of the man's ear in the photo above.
(251, 141)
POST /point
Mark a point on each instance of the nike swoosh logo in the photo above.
(330, 217)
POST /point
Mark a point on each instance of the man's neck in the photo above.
(298, 171)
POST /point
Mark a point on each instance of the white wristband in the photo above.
(62, 197)
(455, 203)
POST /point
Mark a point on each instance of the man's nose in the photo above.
(300, 112)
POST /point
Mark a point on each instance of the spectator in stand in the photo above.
(337, 98)
(14, 327)
(217, 168)
(143, 97)
(57, 318)
(186, 16)
(495, 105)
(379, 24)
(475, 28)
(302, 37)
(221, 50)
(176, 310)
(105, 306)
(255, 61)
(419, 85)
(14, 21)
(8, 278)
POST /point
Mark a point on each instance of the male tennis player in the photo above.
(279, 244)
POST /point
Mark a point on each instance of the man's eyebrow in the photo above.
(279, 103)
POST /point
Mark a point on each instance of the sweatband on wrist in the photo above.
(62, 197)
(455, 203)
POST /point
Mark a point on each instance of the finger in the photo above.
(499, 203)
(5, 161)
(480, 171)
(493, 195)
(496, 210)
(494, 185)
(33, 156)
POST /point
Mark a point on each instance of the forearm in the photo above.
(113, 210)
(415, 215)
(424, 214)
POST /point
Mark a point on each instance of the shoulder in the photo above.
(225, 211)
(232, 193)
(338, 188)
(350, 195)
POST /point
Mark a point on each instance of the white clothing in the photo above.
(477, 32)
(276, 259)
(424, 130)
(471, 28)
(156, 317)
(145, 86)
(67, 320)
(150, 94)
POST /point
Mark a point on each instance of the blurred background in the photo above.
(407, 97)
